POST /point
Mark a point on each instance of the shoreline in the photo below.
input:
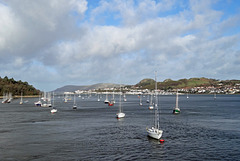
(31, 96)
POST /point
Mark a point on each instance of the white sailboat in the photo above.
(120, 113)
(98, 97)
(54, 109)
(74, 103)
(151, 103)
(113, 98)
(154, 131)
(140, 103)
(47, 100)
(106, 100)
(176, 110)
(21, 100)
(7, 98)
(124, 98)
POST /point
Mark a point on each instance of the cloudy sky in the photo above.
(52, 43)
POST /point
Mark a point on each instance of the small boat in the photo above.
(120, 113)
(47, 100)
(124, 98)
(176, 110)
(111, 103)
(140, 103)
(7, 98)
(147, 101)
(151, 104)
(38, 103)
(106, 100)
(74, 103)
(21, 101)
(98, 98)
(74, 107)
(154, 131)
(54, 109)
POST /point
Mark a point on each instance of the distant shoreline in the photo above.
(30, 96)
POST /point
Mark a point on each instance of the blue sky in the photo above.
(52, 43)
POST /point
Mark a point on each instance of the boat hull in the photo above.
(120, 115)
(150, 107)
(176, 111)
(110, 104)
(154, 133)
(74, 107)
(53, 110)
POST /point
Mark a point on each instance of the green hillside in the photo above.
(184, 83)
(16, 87)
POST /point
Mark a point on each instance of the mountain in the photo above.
(72, 88)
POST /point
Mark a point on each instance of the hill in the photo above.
(184, 83)
(16, 87)
(72, 88)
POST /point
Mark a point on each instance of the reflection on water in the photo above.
(205, 130)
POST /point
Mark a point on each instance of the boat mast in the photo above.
(120, 100)
(177, 99)
(156, 124)
(53, 101)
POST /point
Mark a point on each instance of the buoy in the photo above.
(161, 141)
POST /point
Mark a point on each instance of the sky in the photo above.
(53, 43)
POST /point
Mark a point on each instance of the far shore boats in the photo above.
(7, 98)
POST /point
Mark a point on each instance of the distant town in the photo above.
(135, 90)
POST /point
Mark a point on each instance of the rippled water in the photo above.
(205, 130)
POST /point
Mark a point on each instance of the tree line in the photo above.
(16, 87)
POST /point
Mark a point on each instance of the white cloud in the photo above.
(70, 43)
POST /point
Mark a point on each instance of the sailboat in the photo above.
(120, 113)
(7, 98)
(106, 100)
(54, 109)
(74, 103)
(21, 101)
(147, 98)
(124, 98)
(151, 103)
(47, 100)
(154, 131)
(140, 103)
(98, 98)
(176, 110)
(38, 103)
